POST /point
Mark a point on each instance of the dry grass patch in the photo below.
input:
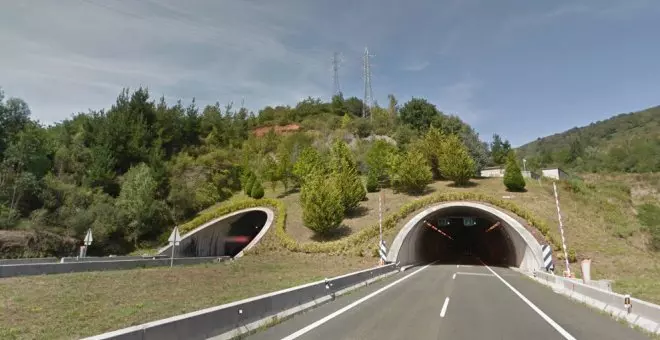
(82, 304)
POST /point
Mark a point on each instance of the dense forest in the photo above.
(132, 171)
(624, 143)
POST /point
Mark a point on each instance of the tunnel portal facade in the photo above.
(228, 235)
(453, 231)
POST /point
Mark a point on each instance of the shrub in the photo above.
(322, 206)
(575, 185)
(432, 146)
(649, 216)
(456, 163)
(377, 157)
(257, 190)
(350, 187)
(410, 173)
(249, 183)
(309, 162)
(372, 182)
(513, 178)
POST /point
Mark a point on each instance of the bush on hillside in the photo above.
(350, 188)
(308, 163)
(321, 204)
(377, 157)
(372, 182)
(513, 178)
(410, 173)
(432, 146)
(257, 190)
(455, 162)
(249, 184)
(342, 157)
(649, 216)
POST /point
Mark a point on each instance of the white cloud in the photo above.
(460, 99)
(416, 66)
(67, 56)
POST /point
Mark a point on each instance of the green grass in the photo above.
(83, 304)
(599, 218)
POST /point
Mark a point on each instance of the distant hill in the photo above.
(624, 143)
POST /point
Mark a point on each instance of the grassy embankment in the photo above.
(599, 218)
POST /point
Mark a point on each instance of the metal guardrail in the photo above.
(232, 319)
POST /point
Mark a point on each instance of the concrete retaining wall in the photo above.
(643, 314)
(72, 267)
(233, 319)
(29, 260)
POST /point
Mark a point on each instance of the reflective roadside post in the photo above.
(626, 303)
(174, 240)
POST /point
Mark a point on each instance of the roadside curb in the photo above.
(605, 307)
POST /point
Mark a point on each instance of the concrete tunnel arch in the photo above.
(512, 245)
(210, 239)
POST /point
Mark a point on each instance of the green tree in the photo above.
(257, 190)
(308, 163)
(513, 178)
(431, 145)
(418, 113)
(351, 188)
(250, 184)
(341, 157)
(338, 107)
(499, 149)
(136, 201)
(344, 169)
(372, 182)
(354, 106)
(284, 164)
(455, 162)
(410, 172)
(377, 159)
(321, 203)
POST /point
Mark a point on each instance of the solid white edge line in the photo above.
(337, 313)
(444, 307)
(545, 317)
(453, 277)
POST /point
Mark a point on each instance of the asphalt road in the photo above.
(452, 302)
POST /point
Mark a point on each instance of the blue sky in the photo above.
(520, 68)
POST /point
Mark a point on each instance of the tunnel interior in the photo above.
(458, 235)
(226, 237)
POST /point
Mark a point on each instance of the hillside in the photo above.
(132, 171)
(624, 143)
(599, 219)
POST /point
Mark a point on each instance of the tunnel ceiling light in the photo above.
(469, 221)
(494, 226)
(428, 224)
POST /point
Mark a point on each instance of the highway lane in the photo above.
(452, 302)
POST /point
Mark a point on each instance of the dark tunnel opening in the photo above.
(226, 237)
(464, 235)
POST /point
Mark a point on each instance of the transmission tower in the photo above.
(335, 70)
(368, 93)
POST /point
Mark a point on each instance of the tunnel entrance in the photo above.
(229, 235)
(458, 235)
(466, 232)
